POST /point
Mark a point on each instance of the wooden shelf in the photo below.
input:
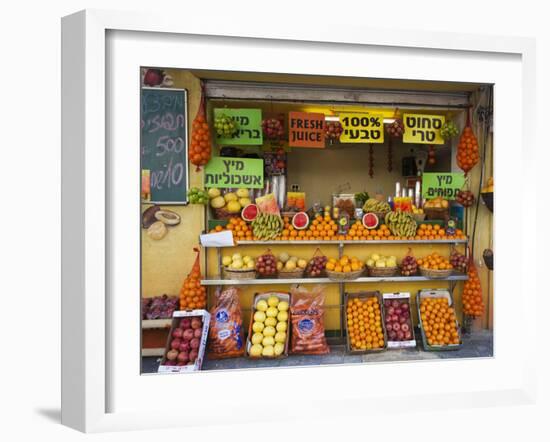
(349, 242)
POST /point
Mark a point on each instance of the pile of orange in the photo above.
(345, 264)
(322, 228)
(434, 261)
(192, 293)
(359, 232)
(438, 321)
(240, 229)
(472, 300)
(467, 154)
(435, 231)
(364, 323)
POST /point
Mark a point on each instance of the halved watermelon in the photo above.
(249, 212)
(300, 220)
(370, 220)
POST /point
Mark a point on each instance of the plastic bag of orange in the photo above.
(472, 296)
(467, 155)
(192, 293)
(226, 336)
(201, 146)
(308, 325)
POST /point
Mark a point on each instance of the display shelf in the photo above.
(349, 242)
(365, 279)
(156, 323)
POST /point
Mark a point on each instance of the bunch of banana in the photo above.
(374, 205)
(401, 223)
(267, 226)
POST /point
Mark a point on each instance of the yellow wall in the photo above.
(165, 263)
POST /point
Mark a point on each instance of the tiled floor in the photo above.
(479, 344)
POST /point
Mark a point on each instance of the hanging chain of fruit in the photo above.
(273, 128)
(431, 155)
(465, 198)
(449, 130)
(472, 299)
(225, 126)
(467, 155)
(333, 130)
(396, 129)
(371, 161)
(192, 293)
(201, 147)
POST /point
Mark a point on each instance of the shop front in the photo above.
(293, 220)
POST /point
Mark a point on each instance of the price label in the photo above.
(423, 129)
(362, 128)
(445, 185)
(234, 172)
(249, 124)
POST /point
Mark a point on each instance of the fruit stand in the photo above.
(355, 209)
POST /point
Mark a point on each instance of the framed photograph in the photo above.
(283, 209)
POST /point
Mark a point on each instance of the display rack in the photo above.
(219, 281)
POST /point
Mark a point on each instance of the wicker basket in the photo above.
(286, 274)
(380, 272)
(239, 274)
(224, 214)
(436, 274)
(436, 213)
(341, 276)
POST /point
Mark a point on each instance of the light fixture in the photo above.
(389, 120)
(332, 118)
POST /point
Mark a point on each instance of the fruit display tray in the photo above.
(364, 295)
(400, 296)
(283, 296)
(439, 293)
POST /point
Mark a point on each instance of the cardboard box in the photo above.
(364, 295)
(399, 296)
(176, 317)
(283, 296)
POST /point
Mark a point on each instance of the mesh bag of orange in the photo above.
(472, 296)
(200, 150)
(467, 155)
(192, 293)
(226, 336)
(308, 325)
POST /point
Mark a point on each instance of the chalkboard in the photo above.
(164, 145)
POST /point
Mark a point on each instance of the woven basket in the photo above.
(379, 272)
(296, 273)
(435, 213)
(436, 274)
(341, 276)
(239, 274)
(224, 214)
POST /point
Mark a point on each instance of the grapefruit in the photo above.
(370, 220)
(250, 212)
(300, 220)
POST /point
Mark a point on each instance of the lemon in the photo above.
(258, 327)
(283, 306)
(279, 348)
(261, 305)
(268, 351)
(259, 316)
(281, 326)
(280, 337)
(282, 316)
(271, 312)
(272, 322)
(268, 341)
(255, 350)
(269, 331)
(273, 301)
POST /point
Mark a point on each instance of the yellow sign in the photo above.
(362, 128)
(423, 129)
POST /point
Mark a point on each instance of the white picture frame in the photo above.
(91, 319)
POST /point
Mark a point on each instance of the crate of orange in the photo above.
(435, 266)
(365, 330)
(439, 327)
